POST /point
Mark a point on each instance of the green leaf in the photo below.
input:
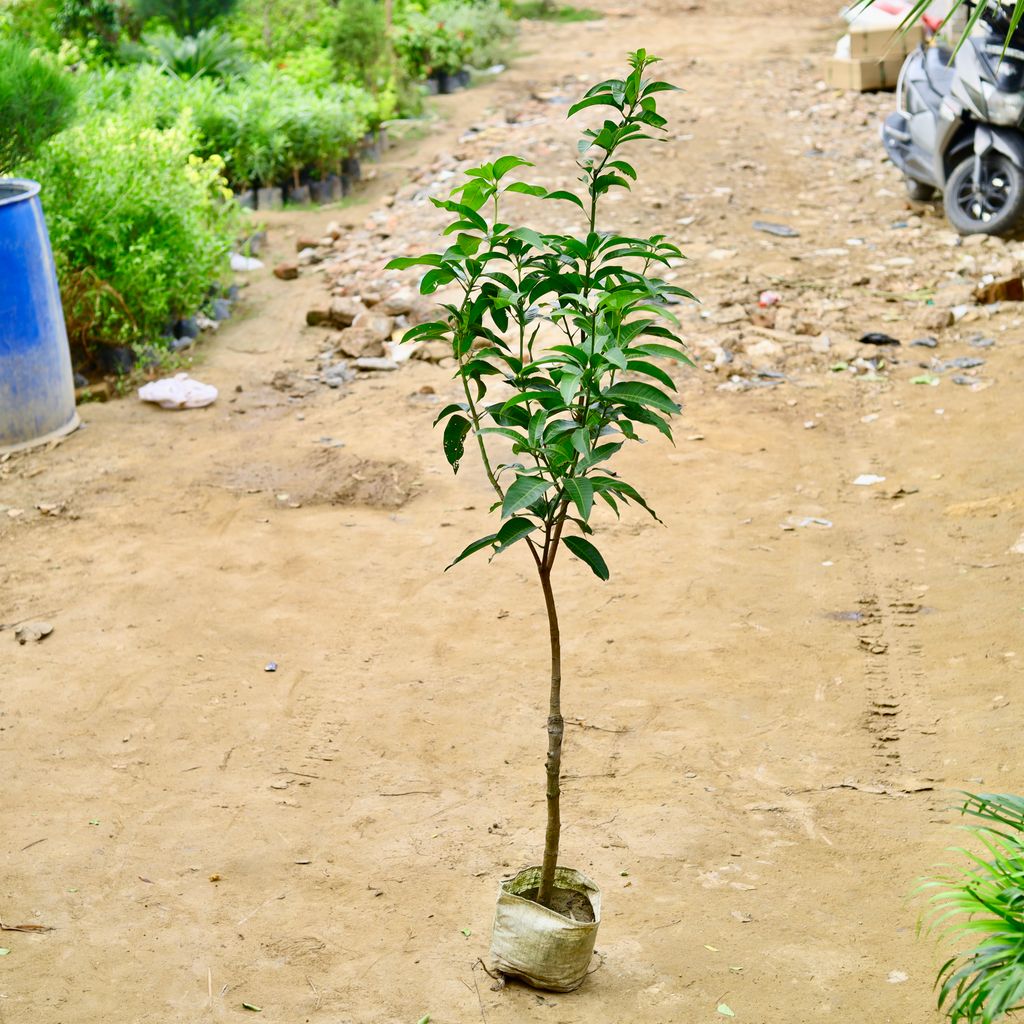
(434, 279)
(539, 191)
(569, 197)
(616, 357)
(537, 421)
(405, 262)
(513, 530)
(473, 548)
(449, 409)
(642, 366)
(466, 932)
(581, 441)
(601, 99)
(424, 1020)
(638, 393)
(568, 386)
(530, 236)
(585, 551)
(654, 87)
(455, 432)
(725, 1010)
(505, 164)
(254, 1009)
(581, 492)
(4, 952)
(651, 349)
(523, 493)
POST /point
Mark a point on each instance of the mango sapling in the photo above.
(566, 406)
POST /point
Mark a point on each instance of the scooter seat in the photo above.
(937, 68)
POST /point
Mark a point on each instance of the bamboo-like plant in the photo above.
(568, 402)
(982, 903)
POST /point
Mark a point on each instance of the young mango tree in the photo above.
(555, 336)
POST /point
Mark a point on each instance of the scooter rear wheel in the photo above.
(996, 206)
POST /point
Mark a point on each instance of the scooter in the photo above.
(957, 127)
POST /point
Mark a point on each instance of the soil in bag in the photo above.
(567, 902)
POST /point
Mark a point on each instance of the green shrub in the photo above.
(186, 17)
(426, 45)
(452, 34)
(31, 22)
(268, 126)
(140, 225)
(484, 29)
(359, 43)
(274, 31)
(208, 52)
(90, 21)
(37, 100)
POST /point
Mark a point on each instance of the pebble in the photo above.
(779, 230)
(29, 632)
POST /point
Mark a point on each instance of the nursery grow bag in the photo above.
(543, 947)
(37, 388)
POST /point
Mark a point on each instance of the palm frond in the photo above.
(981, 902)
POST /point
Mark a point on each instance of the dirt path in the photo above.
(770, 718)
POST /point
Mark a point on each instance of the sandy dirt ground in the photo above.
(769, 721)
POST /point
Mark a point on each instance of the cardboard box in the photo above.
(863, 75)
(884, 43)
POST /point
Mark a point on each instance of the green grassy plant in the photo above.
(981, 906)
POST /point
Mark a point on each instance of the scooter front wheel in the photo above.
(993, 206)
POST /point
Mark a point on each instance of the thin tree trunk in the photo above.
(556, 729)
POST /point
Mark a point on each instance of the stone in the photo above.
(305, 242)
(318, 315)
(287, 271)
(433, 351)
(344, 310)
(308, 257)
(931, 318)
(763, 351)
(380, 325)
(221, 309)
(398, 303)
(423, 310)
(357, 342)
(733, 314)
(32, 632)
(337, 374)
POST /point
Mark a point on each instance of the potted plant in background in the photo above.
(37, 392)
(554, 335)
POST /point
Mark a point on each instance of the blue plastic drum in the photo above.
(37, 388)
